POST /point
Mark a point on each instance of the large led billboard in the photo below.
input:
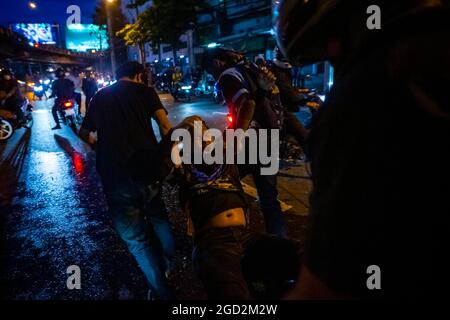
(86, 37)
(36, 32)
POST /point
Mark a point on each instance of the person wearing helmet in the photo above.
(247, 90)
(291, 99)
(378, 225)
(62, 89)
(10, 97)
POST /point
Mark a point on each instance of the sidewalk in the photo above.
(294, 186)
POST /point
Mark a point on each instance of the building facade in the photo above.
(244, 25)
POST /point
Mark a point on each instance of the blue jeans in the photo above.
(268, 200)
(141, 221)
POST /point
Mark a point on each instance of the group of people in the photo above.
(376, 228)
(69, 85)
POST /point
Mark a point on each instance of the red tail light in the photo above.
(68, 104)
(230, 118)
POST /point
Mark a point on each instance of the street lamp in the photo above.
(32, 5)
(111, 41)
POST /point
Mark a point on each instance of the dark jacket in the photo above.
(380, 163)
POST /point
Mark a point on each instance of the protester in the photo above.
(291, 99)
(89, 87)
(227, 256)
(121, 115)
(251, 107)
(379, 218)
(11, 99)
(74, 76)
(62, 89)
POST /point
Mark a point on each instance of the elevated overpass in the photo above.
(17, 49)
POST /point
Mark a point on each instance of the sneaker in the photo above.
(56, 127)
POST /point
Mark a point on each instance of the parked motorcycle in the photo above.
(9, 122)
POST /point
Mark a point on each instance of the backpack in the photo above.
(269, 110)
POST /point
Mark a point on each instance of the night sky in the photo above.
(50, 11)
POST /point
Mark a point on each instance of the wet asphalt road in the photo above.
(54, 215)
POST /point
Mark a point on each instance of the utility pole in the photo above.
(141, 47)
(111, 39)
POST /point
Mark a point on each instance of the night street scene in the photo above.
(225, 150)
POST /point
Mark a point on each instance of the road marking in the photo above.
(251, 191)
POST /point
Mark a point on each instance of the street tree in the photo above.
(135, 35)
(168, 20)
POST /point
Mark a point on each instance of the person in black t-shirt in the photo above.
(89, 87)
(120, 115)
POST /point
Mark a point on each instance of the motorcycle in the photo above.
(181, 91)
(204, 88)
(69, 113)
(9, 122)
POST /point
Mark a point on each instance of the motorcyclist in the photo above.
(177, 76)
(378, 227)
(11, 98)
(62, 89)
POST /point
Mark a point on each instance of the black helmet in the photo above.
(304, 28)
(60, 73)
(227, 55)
(6, 71)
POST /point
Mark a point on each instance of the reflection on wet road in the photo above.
(53, 215)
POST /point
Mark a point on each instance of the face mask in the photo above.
(7, 77)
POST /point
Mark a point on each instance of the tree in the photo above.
(118, 21)
(137, 4)
(135, 35)
(167, 20)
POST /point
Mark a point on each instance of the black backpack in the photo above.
(269, 110)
